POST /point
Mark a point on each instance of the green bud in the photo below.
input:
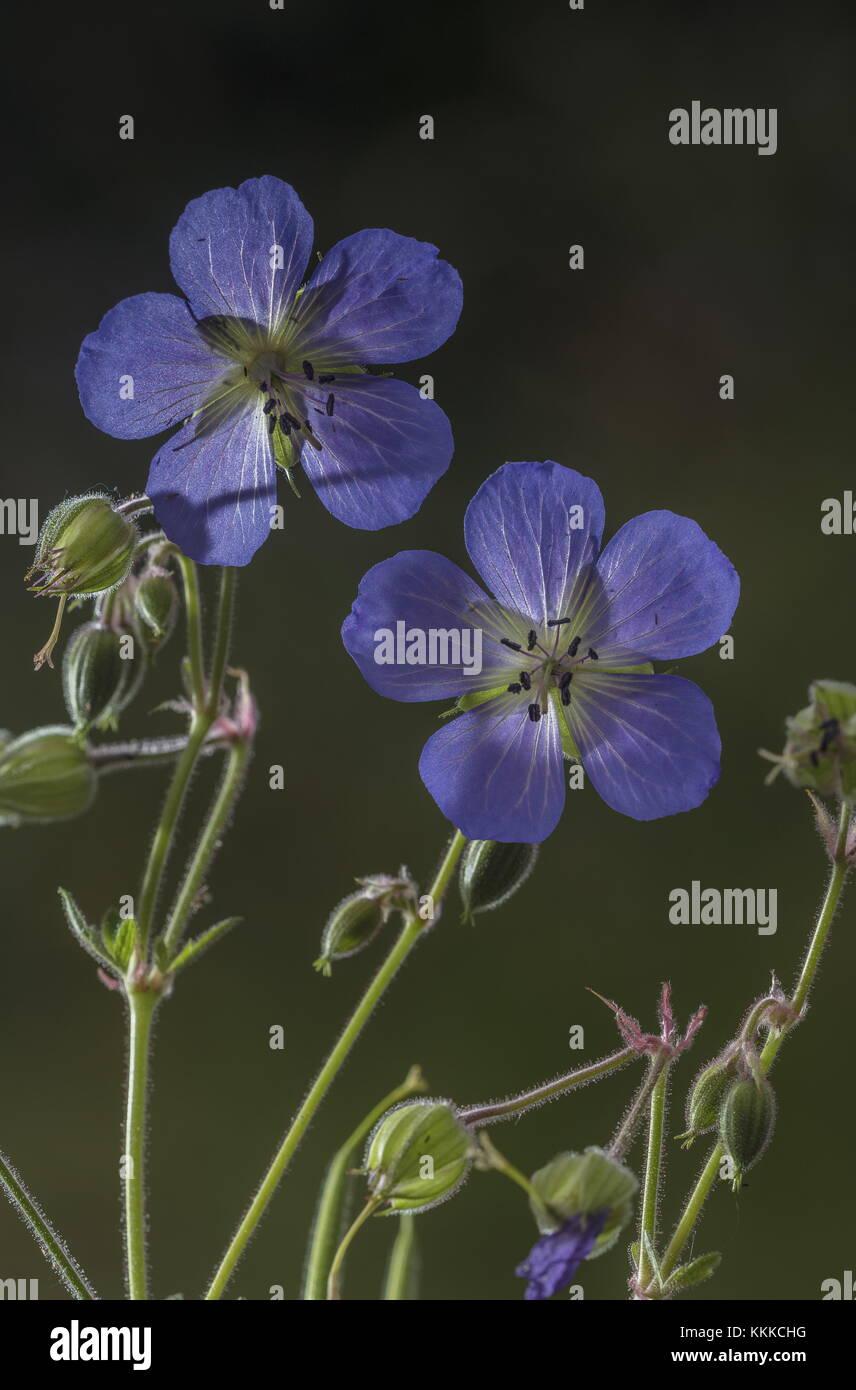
(357, 919)
(706, 1098)
(820, 751)
(746, 1123)
(418, 1155)
(584, 1183)
(45, 775)
(93, 674)
(156, 604)
(490, 873)
(85, 548)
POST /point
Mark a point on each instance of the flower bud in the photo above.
(45, 775)
(357, 919)
(93, 675)
(490, 873)
(746, 1123)
(418, 1155)
(706, 1098)
(820, 751)
(156, 604)
(86, 547)
(584, 1184)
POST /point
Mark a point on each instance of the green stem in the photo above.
(477, 1115)
(328, 1218)
(51, 1244)
(141, 1008)
(627, 1129)
(651, 1187)
(399, 1283)
(207, 845)
(193, 612)
(162, 842)
(692, 1212)
(333, 1290)
(811, 961)
(222, 638)
(410, 934)
(206, 710)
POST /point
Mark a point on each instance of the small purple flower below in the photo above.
(558, 662)
(554, 1259)
(256, 369)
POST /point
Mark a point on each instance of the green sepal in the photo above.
(694, 1272)
(193, 949)
(471, 700)
(80, 928)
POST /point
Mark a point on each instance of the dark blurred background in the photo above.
(551, 129)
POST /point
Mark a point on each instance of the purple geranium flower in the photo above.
(554, 1259)
(558, 661)
(258, 371)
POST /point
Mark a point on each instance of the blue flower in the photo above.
(558, 661)
(554, 1259)
(257, 368)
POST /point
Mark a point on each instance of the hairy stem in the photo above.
(410, 934)
(51, 1244)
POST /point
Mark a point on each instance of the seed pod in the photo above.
(746, 1123)
(350, 928)
(490, 873)
(85, 548)
(705, 1100)
(418, 1155)
(156, 604)
(93, 674)
(582, 1184)
(45, 775)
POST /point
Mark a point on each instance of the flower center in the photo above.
(548, 660)
(285, 390)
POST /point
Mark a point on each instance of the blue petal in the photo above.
(662, 589)
(382, 451)
(554, 1259)
(225, 251)
(148, 345)
(496, 775)
(213, 489)
(533, 531)
(424, 593)
(377, 297)
(649, 744)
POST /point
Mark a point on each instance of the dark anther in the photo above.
(263, 387)
(526, 680)
(574, 647)
(246, 373)
(557, 622)
(308, 370)
(507, 642)
(813, 758)
(284, 425)
(326, 379)
(271, 424)
(593, 654)
(531, 639)
(514, 688)
(269, 405)
(566, 680)
(534, 713)
(331, 401)
(566, 695)
(291, 420)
